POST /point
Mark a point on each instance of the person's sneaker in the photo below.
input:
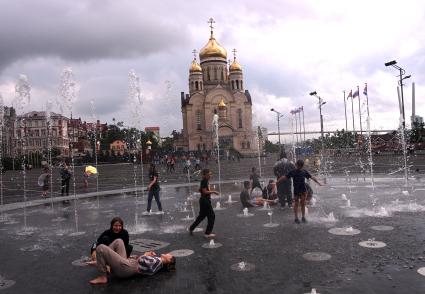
(303, 220)
(160, 212)
(289, 206)
(148, 212)
(297, 221)
(211, 235)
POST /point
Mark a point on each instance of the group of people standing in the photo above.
(287, 175)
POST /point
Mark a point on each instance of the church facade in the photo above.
(216, 87)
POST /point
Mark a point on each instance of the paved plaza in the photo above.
(42, 244)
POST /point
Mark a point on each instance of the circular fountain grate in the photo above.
(4, 284)
(316, 256)
(182, 252)
(421, 271)
(212, 246)
(81, 261)
(344, 231)
(247, 215)
(271, 225)
(79, 233)
(382, 228)
(59, 219)
(242, 267)
(372, 244)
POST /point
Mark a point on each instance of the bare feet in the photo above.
(99, 280)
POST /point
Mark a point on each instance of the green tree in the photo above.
(271, 147)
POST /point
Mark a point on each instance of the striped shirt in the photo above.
(149, 265)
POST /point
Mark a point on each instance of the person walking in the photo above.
(284, 188)
(153, 189)
(205, 207)
(66, 176)
(44, 177)
(299, 175)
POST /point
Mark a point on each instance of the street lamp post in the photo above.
(279, 115)
(321, 102)
(400, 82)
(403, 124)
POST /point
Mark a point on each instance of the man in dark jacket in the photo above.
(284, 188)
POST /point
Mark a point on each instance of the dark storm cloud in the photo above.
(81, 30)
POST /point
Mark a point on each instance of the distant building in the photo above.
(118, 148)
(8, 132)
(35, 133)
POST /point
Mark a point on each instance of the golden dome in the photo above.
(212, 49)
(195, 67)
(222, 104)
(235, 66)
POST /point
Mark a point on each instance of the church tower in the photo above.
(216, 87)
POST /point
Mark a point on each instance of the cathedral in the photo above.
(216, 88)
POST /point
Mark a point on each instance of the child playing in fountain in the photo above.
(205, 207)
(299, 175)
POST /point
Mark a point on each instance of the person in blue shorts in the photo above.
(299, 175)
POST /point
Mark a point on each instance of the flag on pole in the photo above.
(356, 94)
(365, 89)
(350, 95)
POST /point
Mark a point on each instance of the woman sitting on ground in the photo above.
(270, 193)
(113, 259)
(115, 232)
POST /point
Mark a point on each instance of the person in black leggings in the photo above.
(205, 207)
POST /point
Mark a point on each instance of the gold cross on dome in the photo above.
(234, 53)
(194, 53)
(211, 21)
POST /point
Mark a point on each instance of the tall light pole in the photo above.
(321, 102)
(400, 82)
(403, 124)
(279, 115)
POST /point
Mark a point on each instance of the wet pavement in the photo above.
(38, 248)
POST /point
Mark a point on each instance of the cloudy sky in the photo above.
(287, 48)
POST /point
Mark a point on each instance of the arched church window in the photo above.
(243, 145)
(240, 118)
(233, 85)
(208, 74)
(237, 84)
(215, 73)
(198, 120)
(196, 85)
(222, 75)
(241, 85)
(248, 145)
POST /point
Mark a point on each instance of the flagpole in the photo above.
(345, 109)
(299, 119)
(352, 112)
(303, 122)
(346, 122)
(296, 127)
(360, 112)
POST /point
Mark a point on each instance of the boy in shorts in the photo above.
(299, 175)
